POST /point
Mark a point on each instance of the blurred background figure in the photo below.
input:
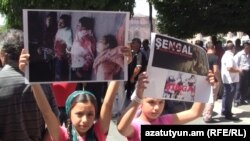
(20, 118)
(145, 49)
(138, 65)
(242, 60)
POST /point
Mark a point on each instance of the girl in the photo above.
(83, 50)
(151, 110)
(109, 61)
(81, 109)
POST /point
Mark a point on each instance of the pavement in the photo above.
(242, 112)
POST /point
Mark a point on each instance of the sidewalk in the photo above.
(242, 112)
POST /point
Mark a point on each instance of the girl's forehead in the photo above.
(153, 99)
(86, 106)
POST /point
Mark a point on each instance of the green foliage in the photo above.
(184, 18)
(13, 8)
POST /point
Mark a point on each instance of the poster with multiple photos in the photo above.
(74, 45)
(177, 70)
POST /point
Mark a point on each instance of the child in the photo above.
(151, 109)
(109, 61)
(83, 50)
(81, 109)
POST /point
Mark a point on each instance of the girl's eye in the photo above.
(151, 102)
(162, 102)
(90, 114)
(79, 114)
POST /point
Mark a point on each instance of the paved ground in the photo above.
(242, 112)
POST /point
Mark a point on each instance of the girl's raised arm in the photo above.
(49, 117)
(189, 115)
(124, 122)
(106, 109)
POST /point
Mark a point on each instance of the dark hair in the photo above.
(12, 43)
(87, 22)
(83, 98)
(199, 43)
(229, 41)
(137, 40)
(230, 46)
(145, 42)
(66, 19)
(53, 19)
(52, 15)
(237, 41)
(111, 40)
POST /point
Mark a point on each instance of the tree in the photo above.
(13, 8)
(183, 19)
(150, 16)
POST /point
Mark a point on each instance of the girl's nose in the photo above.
(84, 118)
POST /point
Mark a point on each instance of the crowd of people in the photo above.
(72, 111)
(230, 64)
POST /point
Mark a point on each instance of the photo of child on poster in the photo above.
(180, 87)
(183, 68)
(74, 45)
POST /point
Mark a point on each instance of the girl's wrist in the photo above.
(135, 98)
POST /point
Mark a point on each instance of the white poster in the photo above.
(74, 45)
(177, 70)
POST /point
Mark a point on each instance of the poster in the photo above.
(74, 45)
(177, 70)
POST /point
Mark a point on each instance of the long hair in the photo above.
(82, 97)
(111, 40)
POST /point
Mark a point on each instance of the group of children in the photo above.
(81, 109)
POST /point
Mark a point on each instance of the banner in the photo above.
(177, 70)
(74, 45)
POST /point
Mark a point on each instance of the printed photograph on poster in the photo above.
(74, 45)
(180, 86)
(183, 68)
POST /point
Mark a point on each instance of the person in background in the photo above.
(242, 60)
(20, 118)
(238, 46)
(230, 77)
(137, 66)
(129, 124)
(145, 48)
(199, 43)
(214, 66)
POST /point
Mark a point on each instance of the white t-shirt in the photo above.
(227, 61)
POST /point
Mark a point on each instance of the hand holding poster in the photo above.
(177, 70)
